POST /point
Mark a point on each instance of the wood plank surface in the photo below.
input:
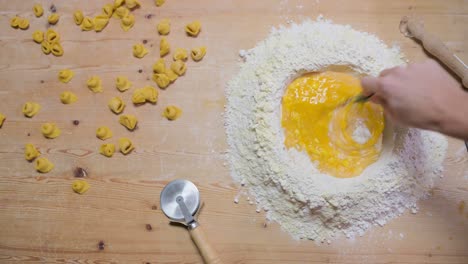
(43, 221)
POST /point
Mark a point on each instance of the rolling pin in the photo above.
(414, 28)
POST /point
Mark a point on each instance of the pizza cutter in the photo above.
(180, 202)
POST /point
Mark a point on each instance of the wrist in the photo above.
(454, 120)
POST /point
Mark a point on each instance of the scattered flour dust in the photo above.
(285, 183)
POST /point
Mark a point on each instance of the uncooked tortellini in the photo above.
(164, 27)
(2, 119)
(180, 54)
(80, 186)
(171, 75)
(94, 84)
(145, 94)
(128, 121)
(38, 36)
(118, 3)
(116, 105)
(53, 18)
(18, 22)
(107, 149)
(46, 47)
(52, 36)
(198, 53)
(159, 2)
(31, 152)
(68, 97)
(139, 50)
(132, 3)
(172, 112)
(178, 67)
(100, 22)
(103, 133)
(30, 109)
(50, 130)
(43, 165)
(161, 79)
(108, 10)
(38, 10)
(65, 75)
(56, 49)
(121, 12)
(78, 17)
(164, 47)
(193, 28)
(122, 83)
(125, 145)
(87, 24)
(127, 22)
(159, 66)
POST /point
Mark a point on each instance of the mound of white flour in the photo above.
(304, 201)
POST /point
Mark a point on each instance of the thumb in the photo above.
(370, 85)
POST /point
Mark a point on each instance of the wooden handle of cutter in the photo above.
(437, 48)
(208, 253)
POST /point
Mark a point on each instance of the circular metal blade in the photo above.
(176, 188)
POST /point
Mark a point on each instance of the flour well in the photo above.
(304, 201)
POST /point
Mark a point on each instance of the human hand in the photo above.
(421, 95)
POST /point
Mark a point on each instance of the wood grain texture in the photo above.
(43, 221)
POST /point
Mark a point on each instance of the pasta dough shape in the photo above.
(125, 145)
(161, 79)
(138, 96)
(68, 97)
(193, 29)
(87, 24)
(57, 49)
(139, 50)
(172, 112)
(118, 3)
(31, 152)
(23, 23)
(38, 36)
(116, 105)
(65, 75)
(178, 67)
(122, 83)
(80, 186)
(164, 27)
(107, 149)
(2, 119)
(52, 36)
(171, 75)
(198, 53)
(100, 22)
(103, 133)
(127, 22)
(38, 10)
(159, 66)
(145, 94)
(159, 2)
(121, 12)
(180, 54)
(108, 10)
(132, 4)
(164, 47)
(45, 47)
(43, 165)
(30, 109)
(94, 84)
(50, 130)
(78, 17)
(15, 21)
(53, 18)
(128, 121)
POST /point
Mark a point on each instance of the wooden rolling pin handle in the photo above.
(208, 253)
(437, 48)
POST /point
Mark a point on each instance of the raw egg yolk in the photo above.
(342, 139)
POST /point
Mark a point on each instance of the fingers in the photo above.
(370, 85)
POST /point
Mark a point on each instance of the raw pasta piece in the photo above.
(139, 50)
(78, 17)
(125, 145)
(52, 36)
(23, 23)
(30, 109)
(65, 75)
(121, 12)
(159, 2)
(80, 186)
(15, 21)
(31, 152)
(94, 84)
(53, 18)
(43, 165)
(68, 97)
(138, 96)
(172, 112)
(2, 119)
(118, 3)
(57, 49)
(180, 54)
(171, 75)
(87, 24)
(127, 22)
(193, 29)
(108, 10)
(178, 67)
(107, 149)
(151, 94)
(100, 22)
(164, 47)
(198, 53)
(38, 10)
(161, 79)
(128, 121)
(132, 4)
(38, 36)
(50, 130)
(116, 105)
(45, 47)
(164, 27)
(159, 66)
(103, 133)
(122, 83)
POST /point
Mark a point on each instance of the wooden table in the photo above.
(118, 220)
